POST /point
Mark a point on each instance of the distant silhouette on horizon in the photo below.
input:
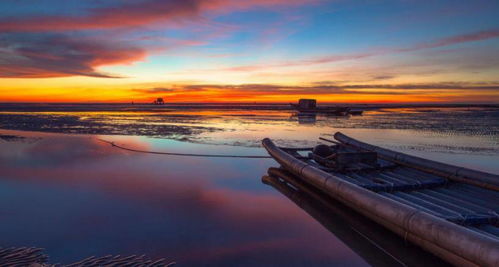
(159, 101)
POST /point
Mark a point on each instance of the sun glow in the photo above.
(256, 51)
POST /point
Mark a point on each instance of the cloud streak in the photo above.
(55, 55)
(127, 15)
(453, 40)
(321, 88)
(137, 13)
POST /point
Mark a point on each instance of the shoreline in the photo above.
(68, 107)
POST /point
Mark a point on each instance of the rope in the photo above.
(183, 154)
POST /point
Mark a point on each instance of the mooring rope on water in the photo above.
(184, 154)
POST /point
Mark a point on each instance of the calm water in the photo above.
(75, 196)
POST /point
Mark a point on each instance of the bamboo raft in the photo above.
(449, 211)
(375, 244)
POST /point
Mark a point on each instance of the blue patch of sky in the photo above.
(17, 8)
(357, 29)
(375, 25)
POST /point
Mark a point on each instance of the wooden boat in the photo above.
(309, 106)
(447, 210)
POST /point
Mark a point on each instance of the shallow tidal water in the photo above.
(64, 190)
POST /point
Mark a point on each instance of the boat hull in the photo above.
(322, 110)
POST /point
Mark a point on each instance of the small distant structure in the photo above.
(307, 103)
(310, 106)
(159, 101)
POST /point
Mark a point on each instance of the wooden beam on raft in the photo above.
(451, 172)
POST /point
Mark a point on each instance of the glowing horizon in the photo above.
(267, 51)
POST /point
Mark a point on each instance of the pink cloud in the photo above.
(58, 56)
(233, 5)
(457, 39)
(128, 15)
(138, 14)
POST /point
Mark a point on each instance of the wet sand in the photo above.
(190, 124)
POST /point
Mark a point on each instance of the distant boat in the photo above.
(310, 106)
(447, 210)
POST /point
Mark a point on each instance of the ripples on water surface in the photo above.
(76, 196)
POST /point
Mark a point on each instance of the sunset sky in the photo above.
(247, 51)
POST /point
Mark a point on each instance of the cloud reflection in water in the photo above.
(76, 197)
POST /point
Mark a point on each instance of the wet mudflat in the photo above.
(65, 191)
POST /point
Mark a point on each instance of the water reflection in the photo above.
(77, 197)
(378, 246)
(306, 118)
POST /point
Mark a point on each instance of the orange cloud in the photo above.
(360, 93)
